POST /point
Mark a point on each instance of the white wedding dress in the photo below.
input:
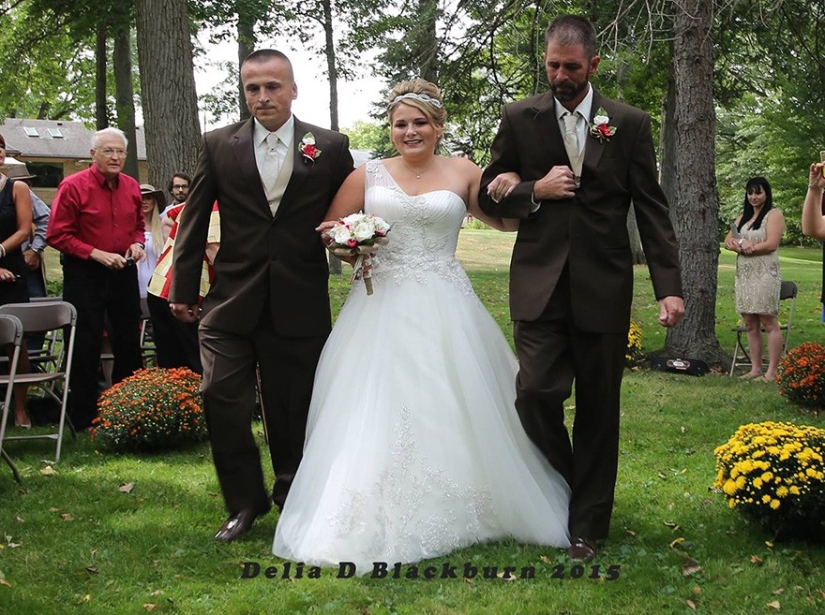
(414, 448)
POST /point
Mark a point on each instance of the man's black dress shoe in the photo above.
(581, 550)
(236, 525)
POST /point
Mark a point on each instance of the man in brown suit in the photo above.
(571, 275)
(273, 177)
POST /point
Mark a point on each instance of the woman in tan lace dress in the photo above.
(760, 228)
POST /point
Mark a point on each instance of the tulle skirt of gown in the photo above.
(414, 447)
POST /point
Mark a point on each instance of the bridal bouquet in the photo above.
(359, 235)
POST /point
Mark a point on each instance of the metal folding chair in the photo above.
(11, 332)
(147, 341)
(46, 317)
(787, 291)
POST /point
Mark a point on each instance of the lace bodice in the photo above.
(424, 231)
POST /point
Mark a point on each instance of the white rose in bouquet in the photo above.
(363, 230)
(342, 235)
(381, 226)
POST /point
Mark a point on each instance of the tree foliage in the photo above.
(46, 66)
(774, 128)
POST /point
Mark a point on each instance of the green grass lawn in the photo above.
(74, 542)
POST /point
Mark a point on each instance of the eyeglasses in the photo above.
(112, 153)
(180, 187)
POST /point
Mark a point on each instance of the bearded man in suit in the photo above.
(273, 178)
(571, 275)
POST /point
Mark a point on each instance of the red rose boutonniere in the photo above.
(308, 149)
(601, 128)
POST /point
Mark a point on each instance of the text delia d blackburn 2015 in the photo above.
(447, 570)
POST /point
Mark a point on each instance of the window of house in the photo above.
(49, 175)
(31, 131)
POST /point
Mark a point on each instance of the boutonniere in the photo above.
(601, 128)
(308, 149)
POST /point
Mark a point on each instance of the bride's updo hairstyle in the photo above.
(424, 96)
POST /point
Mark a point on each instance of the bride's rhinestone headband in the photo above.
(422, 97)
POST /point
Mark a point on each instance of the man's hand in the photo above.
(32, 259)
(135, 252)
(559, 183)
(185, 312)
(671, 310)
(110, 260)
(324, 229)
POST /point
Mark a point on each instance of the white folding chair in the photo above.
(45, 317)
(787, 292)
(11, 332)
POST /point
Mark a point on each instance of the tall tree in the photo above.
(170, 101)
(690, 181)
(125, 96)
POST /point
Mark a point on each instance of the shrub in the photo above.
(634, 345)
(774, 474)
(801, 375)
(153, 409)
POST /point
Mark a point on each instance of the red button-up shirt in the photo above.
(87, 214)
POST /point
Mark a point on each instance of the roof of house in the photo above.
(28, 139)
(53, 139)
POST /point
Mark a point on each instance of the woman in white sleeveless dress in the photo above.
(414, 448)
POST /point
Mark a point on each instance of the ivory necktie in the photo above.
(571, 143)
(571, 137)
(273, 163)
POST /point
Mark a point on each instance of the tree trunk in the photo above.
(689, 177)
(246, 45)
(427, 42)
(170, 102)
(635, 238)
(101, 111)
(332, 71)
(125, 97)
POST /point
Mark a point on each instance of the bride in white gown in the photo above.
(414, 448)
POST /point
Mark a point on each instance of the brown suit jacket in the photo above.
(588, 231)
(280, 258)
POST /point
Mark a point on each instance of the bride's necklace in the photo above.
(414, 172)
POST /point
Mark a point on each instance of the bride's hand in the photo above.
(503, 185)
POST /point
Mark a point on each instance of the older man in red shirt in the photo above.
(97, 223)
